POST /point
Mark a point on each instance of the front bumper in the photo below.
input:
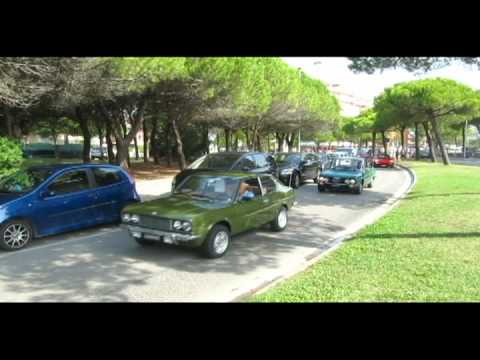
(337, 185)
(159, 235)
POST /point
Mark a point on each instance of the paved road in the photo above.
(469, 161)
(104, 264)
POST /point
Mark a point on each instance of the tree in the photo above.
(435, 100)
(371, 64)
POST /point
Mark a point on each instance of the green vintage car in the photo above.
(207, 208)
(347, 173)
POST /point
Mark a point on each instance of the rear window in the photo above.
(215, 161)
(107, 176)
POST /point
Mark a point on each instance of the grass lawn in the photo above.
(426, 249)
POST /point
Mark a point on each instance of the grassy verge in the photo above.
(426, 249)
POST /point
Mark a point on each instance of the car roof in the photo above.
(59, 167)
(239, 174)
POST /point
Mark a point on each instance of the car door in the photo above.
(252, 213)
(110, 185)
(309, 166)
(67, 202)
(270, 198)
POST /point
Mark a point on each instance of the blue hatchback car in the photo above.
(47, 200)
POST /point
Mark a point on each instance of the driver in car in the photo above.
(247, 191)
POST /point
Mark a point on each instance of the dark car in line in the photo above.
(206, 209)
(295, 168)
(252, 162)
(47, 200)
(349, 173)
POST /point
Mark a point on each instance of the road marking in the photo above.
(68, 241)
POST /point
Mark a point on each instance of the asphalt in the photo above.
(105, 264)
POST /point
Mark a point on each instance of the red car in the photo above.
(384, 161)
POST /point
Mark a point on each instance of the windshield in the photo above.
(288, 158)
(213, 188)
(346, 164)
(24, 180)
(215, 161)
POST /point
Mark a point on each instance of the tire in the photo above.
(217, 242)
(358, 190)
(281, 220)
(320, 188)
(15, 235)
(145, 242)
(295, 180)
(370, 184)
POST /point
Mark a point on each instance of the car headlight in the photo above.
(350, 181)
(135, 219)
(186, 226)
(126, 217)
(177, 224)
(286, 171)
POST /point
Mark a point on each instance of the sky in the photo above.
(364, 87)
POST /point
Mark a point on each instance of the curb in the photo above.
(318, 254)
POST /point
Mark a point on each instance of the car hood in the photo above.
(341, 174)
(7, 197)
(175, 207)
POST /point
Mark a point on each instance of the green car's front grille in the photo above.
(153, 222)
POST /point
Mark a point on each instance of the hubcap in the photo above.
(220, 242)
(16, 236)
(282, 218)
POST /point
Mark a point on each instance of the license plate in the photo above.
(151, 237)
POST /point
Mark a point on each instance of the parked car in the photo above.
(384, 161)
(47, 200)
(207, 208)
(254, 162)
(296, 168)
(351, 174)
(97, 153)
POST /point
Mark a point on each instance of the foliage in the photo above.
(10, 156)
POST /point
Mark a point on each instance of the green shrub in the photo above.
(10, 156)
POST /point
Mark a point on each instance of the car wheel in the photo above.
(281, 221)
(15, 235)
(217, 242)
(320, 188)
(358, 190)
(145, 242)
(295, 181)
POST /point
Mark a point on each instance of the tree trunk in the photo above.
(433, 155)
(122, 153)
(247, 138)
(108, 136)
(135, 143)
(235, 144)
(55, 147)
(438, 137)
(227, 139)
(417, 142)
(402, 142)
(181, 155)
(290, 138)
(384, 141)
(280, 141)
(87, 137)
(100, 138)
(154, 151)
(258, 143)
(145, 141)
(65, 139)
(464, 136)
